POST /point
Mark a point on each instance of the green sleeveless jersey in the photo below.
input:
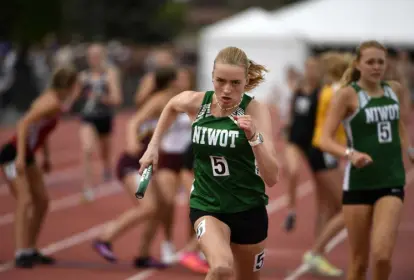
(226, 178)
(374, 129)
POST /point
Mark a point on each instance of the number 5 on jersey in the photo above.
(219, 166)
(384, 132)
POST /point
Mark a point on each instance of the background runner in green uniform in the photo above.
(232, 141)
(375, 177)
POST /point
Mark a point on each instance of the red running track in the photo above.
(71, 225)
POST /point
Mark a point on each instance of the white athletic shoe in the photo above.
(168, 255)
(320, 265)
(88, 194)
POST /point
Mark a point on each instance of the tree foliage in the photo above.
(149, 21)
(145, 21)
(28, 20)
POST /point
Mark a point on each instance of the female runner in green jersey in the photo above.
(234, 157)
(375, 176)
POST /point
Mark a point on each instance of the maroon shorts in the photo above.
(127, 164)
(130, 163)
(173, 162)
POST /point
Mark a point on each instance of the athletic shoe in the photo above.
(193, 262)
(104, 249)
(290, 221)
(321, 265)
(168, 255)
(149, 262)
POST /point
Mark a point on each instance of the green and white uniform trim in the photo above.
(374, 129)
(226, 175)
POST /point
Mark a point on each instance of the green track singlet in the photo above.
(374, 129)
(226, 176)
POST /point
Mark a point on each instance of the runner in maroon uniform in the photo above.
(24, 177)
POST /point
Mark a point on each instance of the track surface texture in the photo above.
(71, 224)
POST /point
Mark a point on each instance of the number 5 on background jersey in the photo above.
(384, 132)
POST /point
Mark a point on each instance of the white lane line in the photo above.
(55, 177)
(72, 200)
(88, 234)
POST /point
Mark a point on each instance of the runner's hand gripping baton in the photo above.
(143, 183)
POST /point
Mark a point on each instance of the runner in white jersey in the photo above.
(178, 137)
(175, 170)
(171, 161)
(138, 134)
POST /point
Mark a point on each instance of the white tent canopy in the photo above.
(339, 22)
(251, 22)
(255, 15)
(251, 31)
(283, 38)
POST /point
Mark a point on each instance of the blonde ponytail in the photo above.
(255, 73)
(350, 75)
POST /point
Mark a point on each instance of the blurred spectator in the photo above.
(7, 62)
(406, 68)
(64, 55)
(24, 87)
(160, 57)
(281, 95)
(42, 70)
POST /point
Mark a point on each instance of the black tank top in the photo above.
(303, 116)
(94, 89)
